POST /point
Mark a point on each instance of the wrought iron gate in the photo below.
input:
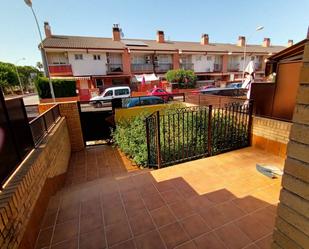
(185, 134)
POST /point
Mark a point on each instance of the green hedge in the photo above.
(62, 88)
(184, 78)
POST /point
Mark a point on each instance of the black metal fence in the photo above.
(41, 125)
(184, 134)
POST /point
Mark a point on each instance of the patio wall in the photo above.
(292, 223)
(70, 111)
(24, 199)
(271, 135)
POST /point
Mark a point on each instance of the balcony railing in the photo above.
(233, 68)
(163, 67)
(143, 67)
(60, 70)
(186, 66)
(114, 68)
(217, 67)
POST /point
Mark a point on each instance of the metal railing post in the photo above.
(158, 140)
(250, 121)
(209, 130)
(148, 141)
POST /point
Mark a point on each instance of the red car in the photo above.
(160, 93)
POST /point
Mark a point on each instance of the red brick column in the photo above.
(126, 62)
(176, 61)
(292, 223)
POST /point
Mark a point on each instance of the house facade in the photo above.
(101, 62)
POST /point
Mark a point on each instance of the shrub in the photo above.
(184, 78)
(62, 88)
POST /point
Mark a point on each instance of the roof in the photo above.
(294, 52)
(83, 42)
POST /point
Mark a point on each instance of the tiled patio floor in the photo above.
(217, 202)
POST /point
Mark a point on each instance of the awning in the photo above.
(71, 78)
(147, 77)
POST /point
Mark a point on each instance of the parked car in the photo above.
(159, 92)
(197, 91)
(234, 85)
(141, 101)
(110, 93)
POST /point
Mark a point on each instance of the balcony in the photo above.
(114, 68)
(142, 67)
(233, 68)
(217, 67)
(60, 70)
(186, 66)
(163, 67)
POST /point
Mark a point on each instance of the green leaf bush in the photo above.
(62, 88)
(184, 78)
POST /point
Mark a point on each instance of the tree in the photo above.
(8, 76)
(184, 78)
(39, 65)
(27, 75)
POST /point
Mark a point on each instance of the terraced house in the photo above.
(97, 62)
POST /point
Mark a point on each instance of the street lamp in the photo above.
(245, 50)
(29, 4)
(15, 65)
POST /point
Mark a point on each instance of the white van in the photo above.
(117, 92)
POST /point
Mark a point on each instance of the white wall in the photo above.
(87, 66)
(201, 64)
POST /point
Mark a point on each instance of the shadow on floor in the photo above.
(108, 203)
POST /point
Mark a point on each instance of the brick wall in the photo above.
(25, 197)
(70, 111)
(271, 135)
(292, 223)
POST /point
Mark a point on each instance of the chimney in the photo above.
(205, 39)
(160, 36)
(116, 32)
(266, 43)
(47, 30)
(290, 43)
(241, 41)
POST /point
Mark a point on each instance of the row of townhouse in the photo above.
(100, 62)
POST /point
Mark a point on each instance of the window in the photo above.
(121, 92)
(198, 58)
(108, 93)
(99, 83)
(97, 57)
(252, 58)
(209, 58)
(78, 56)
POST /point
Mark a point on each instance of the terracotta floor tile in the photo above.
(171, 196)
(173, 235)
(90, 222)
(141, 223)
(232, 236)
(134, 207)
(195, 225)
(251, 246)
(91, 208)
(213, 217)
(187, 245)
(44, 238)
(69, 244)
(209, 241)
(68, 213)
(114, 215)
(220, 196)
(153, 201)
(49, 219)
(150, 240)
(181, 209)
(265, 217)
(230, 211)
(199, 203)
(65, 231)
(93, 240)
(132, 195)
(252, 228)
(164, 186)
(162, 216)
(117, 233)
(249, 204)
(265, 243)
(125, 245)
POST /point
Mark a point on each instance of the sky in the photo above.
(183, 20)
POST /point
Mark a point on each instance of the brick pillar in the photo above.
(70, 111)
(292, 223)
(225, 59)
(126, 62)
(176, 61)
